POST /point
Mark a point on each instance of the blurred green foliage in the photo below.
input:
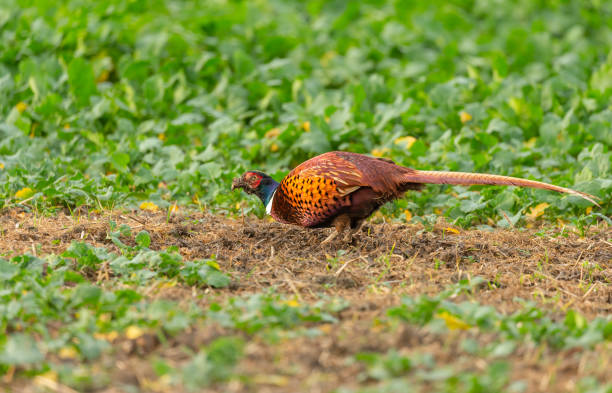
(111, 103)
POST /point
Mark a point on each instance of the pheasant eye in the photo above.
(253, 179)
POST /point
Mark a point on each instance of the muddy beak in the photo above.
(237, 183)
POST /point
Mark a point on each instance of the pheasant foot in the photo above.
(340, 223)
(349, 236)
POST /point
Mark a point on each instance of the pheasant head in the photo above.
(258, 183)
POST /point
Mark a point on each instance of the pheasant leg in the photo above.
(349, 236)
(340, 223)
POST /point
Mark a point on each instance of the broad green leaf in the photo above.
(7, 270)
(82, 81)
(20, 349)
(120, 161)
(143, 239)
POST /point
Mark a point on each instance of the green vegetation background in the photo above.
(117, 102)
(114, 103)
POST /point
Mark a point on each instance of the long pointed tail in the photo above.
(440, 177)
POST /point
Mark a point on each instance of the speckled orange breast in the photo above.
(307, 200)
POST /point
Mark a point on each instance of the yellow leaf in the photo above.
(453, 230)
(133, 332)
(378, 215)
(271, 379)
(149, 206)
(166, 284)
(43, 378)
(452, 322)
(327, 56)
(24, 193)
(161, 384)
(103, 77)
(129, 96)
(530, 144)
(273, 147)
(47, 382)
(214, 264)
(406, 141)
(68, 353)
(292, 303)
(516, 104)
(465, 117)
(379, 325)
(306, 126)
(21, 106)
(408, 215)
(110, 336)
(537, 211)
(380, 152)
(473, 72)
(273, 133)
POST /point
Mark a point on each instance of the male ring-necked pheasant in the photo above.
(342, 189)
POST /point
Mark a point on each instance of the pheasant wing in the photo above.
(345, 174)
(351, 171)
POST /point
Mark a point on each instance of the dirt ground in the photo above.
(556, 271)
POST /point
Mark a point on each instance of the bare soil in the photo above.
(556, 268)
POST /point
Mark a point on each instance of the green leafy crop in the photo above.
(117, 102)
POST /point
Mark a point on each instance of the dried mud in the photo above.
(382, 263)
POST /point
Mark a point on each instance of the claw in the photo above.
(340, 223)
(330, 237)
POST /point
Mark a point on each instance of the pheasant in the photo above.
(342, 189)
